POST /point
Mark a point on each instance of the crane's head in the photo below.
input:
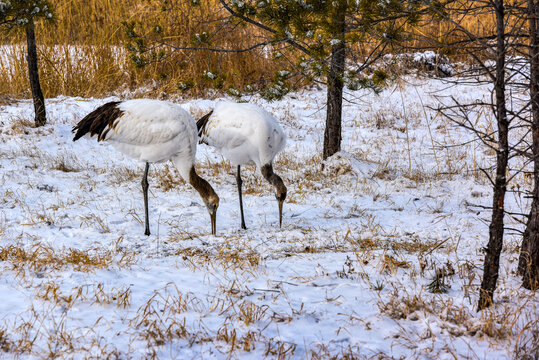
(212, 203)
(280, 195)
(208, 195)
(278, 184)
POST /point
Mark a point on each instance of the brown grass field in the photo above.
(83, 52)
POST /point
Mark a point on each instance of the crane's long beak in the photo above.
(281, 202)
(213, 217)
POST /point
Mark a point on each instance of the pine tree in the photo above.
(22, 13)
(328, 33)
(335, 42)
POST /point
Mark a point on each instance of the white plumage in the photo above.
(246, 133)
(156, 131)
(151, 131)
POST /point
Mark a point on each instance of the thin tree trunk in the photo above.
(332, 134)
(37, 94)
(528, 264)
(494, 247)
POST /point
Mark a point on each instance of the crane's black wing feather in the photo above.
(99, 121)
(201, 124)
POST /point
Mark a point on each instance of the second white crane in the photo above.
(246, 133)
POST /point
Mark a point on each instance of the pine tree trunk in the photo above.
(37, 94)
(528, 264)
(494, 247)
(332, 134)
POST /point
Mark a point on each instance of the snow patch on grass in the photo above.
(365, 235)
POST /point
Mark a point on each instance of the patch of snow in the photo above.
(362, 236)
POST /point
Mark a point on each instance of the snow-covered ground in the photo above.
(363, 235)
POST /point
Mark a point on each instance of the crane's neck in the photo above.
(274, 179)
(202, 186)
(211, 200)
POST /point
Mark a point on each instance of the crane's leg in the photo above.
(240, 182)
(145, 186)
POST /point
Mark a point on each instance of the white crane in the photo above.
(151, 131)
(245, 133)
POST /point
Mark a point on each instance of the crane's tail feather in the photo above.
(201, 123)
(99, 121)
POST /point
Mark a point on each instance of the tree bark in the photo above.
(332, 134)
(494, 247)
(528, 264)
(33, 73)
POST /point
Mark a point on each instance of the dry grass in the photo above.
(390, 264)
(83, 53)
(5, 342)
(92, 294)
(158, 322)
(64, 161)
(223, 258)
(455, 320)
(322, 351)
(49, 325)
(122, 174)
(40, 258)
(19, 126)
(95, 221)
(47, 333)
(168, 178)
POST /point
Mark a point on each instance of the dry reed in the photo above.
(84, 52)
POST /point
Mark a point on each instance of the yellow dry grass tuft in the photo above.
(94, 294)
(222, 257)
(40, 257)
(168, 177)
(5, 342)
